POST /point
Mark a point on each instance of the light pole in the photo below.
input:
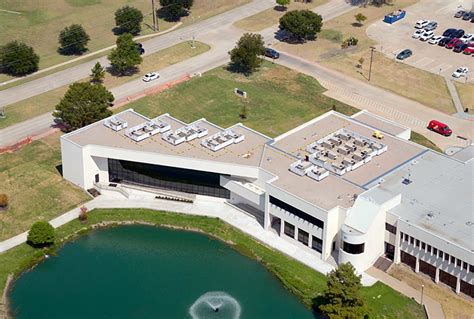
(372, 49)
(422, 289)
(194, 21)
(154, 15)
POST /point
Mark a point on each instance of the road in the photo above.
(210, 31)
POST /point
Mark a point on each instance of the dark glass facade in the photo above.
(352, 248)
(317, 244)
(303, 237)
(289, 230)
(165, 177)
(295, 211)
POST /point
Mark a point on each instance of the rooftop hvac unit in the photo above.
(115, 123)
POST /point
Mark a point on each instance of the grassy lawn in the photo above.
(400, 78)
(39, 23)
(46, 102)
(35, 188)
(422, 140)
(454, 306)
(466, 94)
(270, 17)
(306, 283)
(278, 99)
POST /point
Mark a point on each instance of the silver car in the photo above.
(431, 26)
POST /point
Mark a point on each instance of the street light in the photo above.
(194, 21)
(372, 49)
(422, 289)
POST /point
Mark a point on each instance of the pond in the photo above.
(150, 272)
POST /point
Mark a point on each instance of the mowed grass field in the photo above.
(39, 22)
(422, 86)
(40, 104)
(382, 301)
(35, 187)
(278, 99)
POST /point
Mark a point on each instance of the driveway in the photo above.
(393, 38)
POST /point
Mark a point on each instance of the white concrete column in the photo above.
(282, 227)
(458, 285)
(266, 215)
(437, 275)
(417, 265)
(396, 254)
(310, 240)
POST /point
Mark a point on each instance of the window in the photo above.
(417, 243)
(353, 249)
(412, 240)
(390, 228)
(440, 255)
(464, 265)
(471, 268)
(423, 246)
(295, 211)
(289, 230)
(317, 244)
(459, 263)
(435, 251)
(303, 237)
(453, 260)
(446, 257)
(407, 237)
(429, 248)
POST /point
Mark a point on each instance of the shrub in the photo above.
(83, 214)
(3, 200)
(41, 234)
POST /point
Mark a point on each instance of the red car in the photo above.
(439, 128)
(451, 44)
(469, 49)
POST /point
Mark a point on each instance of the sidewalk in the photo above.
(433, 308)
(202, 206)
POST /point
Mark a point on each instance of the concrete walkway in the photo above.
(202, 206)
(433, 308)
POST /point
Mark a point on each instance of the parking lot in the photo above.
(396, 37)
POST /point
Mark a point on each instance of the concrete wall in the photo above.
(72, 162)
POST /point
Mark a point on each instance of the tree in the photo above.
(303, 24)
(41, 234)
(126, 56)
(342, 298)
(128, 20)
(83, 104)
(360, 18)
(175, 9)
(97, 73)
(282, 4)
(245, 57)
(73, 39)
(18, 59)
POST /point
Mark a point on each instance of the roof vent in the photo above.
(469, 223)
(430, 215)
(406, 181)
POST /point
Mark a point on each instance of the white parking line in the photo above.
(441, 68)
(423, 62)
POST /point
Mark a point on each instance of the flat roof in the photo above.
(247, 152)
(465, 155)
(275, 156)
(439, 197)
(379, 123)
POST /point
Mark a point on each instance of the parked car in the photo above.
(444, 41)
(466, 38)
(269, 52)
(439, 128)
(150, 76)
(140, 48)
(417, 34)
(459, 14)
(467, 16)
(460, 47)
(460, 72)
(472, 19)
(469, 49)
(453, 43)
(458, 33)
(421, 24)
(435, 39)
(404, 54)
(426, 35)
(431, 26)
(449, 32)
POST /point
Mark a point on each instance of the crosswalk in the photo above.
(370, 105)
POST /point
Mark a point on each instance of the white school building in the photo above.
(331, 185)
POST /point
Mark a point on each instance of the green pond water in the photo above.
(148, 272)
